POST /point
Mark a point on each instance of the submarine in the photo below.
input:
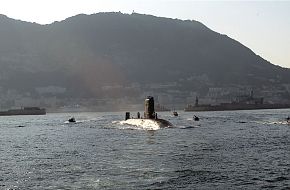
(150, 119)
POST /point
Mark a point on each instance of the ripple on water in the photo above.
(224, 150)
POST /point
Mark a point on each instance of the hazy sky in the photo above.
(263, 26)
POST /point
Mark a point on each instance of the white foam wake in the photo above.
(147, 124)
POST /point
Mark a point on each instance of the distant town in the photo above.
(168, 95)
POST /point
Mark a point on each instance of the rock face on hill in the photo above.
(116, 55)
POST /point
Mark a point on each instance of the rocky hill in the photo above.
(89, 55)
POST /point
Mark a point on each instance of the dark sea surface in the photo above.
(224, 150)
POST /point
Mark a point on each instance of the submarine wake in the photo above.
(147, 124)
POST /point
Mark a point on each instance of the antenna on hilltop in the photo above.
(133, 12)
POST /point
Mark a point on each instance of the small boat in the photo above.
(288, 120)
(72, 120)
(195, 118)
(175, 113)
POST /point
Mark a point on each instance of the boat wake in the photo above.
(188, 127)
(274, 123)
(68, 122)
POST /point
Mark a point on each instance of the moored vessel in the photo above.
(248, 104)
(24, 111)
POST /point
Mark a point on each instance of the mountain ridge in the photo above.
(86, 53)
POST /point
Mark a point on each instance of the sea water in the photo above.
(224, 150)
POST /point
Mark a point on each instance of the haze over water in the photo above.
(224, 150)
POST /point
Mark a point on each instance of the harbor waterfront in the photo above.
(24, 111)
(223, 150)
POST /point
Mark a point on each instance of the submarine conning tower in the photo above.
(149, 108)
